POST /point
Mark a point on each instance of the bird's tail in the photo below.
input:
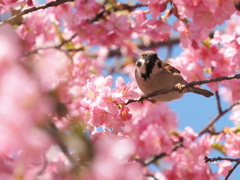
(201, 91)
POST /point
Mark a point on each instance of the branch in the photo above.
(213, 132)
(146, 96)
(56, 47)
(217, 117)
(35, 8)
(231, 170)
(154, 158)
(175, 40)
(207, 159)
(162, 155)
(218, 102)
(98, 16)
(55, 133)
(237, 160)
(66, 41)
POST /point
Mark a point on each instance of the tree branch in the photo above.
(162, 155)
(146, 96)
(35, 8)
(154, 158)
(217, 118)
(237, 160)
(54, 132)
(98, 15)
(231, 170)
(59, 2)
(55, 47)
(207, 159)
(66, 41)
(175, 40)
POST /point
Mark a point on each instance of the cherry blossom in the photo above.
(111, 161)
(86, 10)
(62, 119)
(190, 33)
(189, 65)
(34, 34)
(24, 108)
(224, 167)
(157, 29)
(190, 165)
(232, 145)
(235, 115)
(102, 105)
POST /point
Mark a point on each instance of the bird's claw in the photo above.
(179, 87)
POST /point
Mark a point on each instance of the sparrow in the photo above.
(153, 74)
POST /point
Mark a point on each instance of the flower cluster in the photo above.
(156, 29)
(216, 57)
(150, 128)
(101, 105)
(24, 107)
(111, 157)
(37, 35)
(205, 13)
(187, 161)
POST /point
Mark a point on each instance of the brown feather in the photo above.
(170, 68)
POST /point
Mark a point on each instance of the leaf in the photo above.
(219, 147)
(174, 133)
(207, 43)
(237, 129)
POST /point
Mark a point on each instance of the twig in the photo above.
(35, 8)
(231, 170)
(217, 117)
(54, 47)
(120, 6)
(98, 16)
(218, 102)
(207, 159)
(237, 160)
(152, 159)
(66, 41)
(42, 169)
(175, 40)
(57, 137)
(56, 3)
(212, 132)
(146, 96)
(140, 161)
(162, 155)
(38, 49)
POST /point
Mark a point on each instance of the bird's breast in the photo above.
(158, 82)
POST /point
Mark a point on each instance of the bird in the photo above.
(152, 74)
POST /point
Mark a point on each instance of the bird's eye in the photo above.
(159, 65)
(138, 64)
